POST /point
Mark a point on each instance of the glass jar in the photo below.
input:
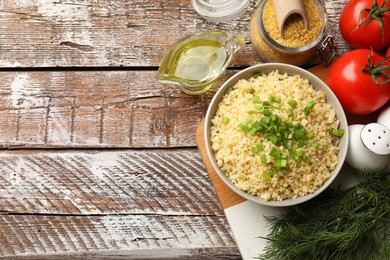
(220, 10)
(297, 49)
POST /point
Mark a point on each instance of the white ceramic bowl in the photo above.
(318, 84)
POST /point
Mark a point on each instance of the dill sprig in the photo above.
(337, 224)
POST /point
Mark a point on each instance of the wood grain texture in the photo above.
(42, 33)
(95, 109)
(106, 183)
(130, 204)
(116, 237)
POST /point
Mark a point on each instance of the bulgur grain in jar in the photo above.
(299, 43)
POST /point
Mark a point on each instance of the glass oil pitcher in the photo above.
(194, 62)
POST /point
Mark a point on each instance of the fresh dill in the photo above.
(349, 224)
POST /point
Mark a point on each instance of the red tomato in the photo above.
(388, 52)
(370, 34)
(356, 89)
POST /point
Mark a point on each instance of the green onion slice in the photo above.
(292, 103)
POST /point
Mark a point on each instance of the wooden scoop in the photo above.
(285, 8)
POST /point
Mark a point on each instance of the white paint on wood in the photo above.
(63, 11)
(160, 182)
(24, 95)
(18, 85)
(59, 126)
(132, 235)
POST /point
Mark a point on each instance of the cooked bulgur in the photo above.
(234, 148)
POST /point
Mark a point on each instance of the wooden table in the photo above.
(98, 160)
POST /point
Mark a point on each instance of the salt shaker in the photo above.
(369, 145)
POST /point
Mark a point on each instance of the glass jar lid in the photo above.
(220, 10)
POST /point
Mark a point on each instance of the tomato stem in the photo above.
(375, 12)
(375, 71)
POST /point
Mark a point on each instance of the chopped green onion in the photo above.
(283, 155)
(302, 143)
(289, 145)
(282, 129)
(299, 134)
(308, 107)
(274, 153)
(265, 120)
(257, 148)
(225, 120)
(273, 139)
(297, 153)
(340, 132)
(252, 132)
(292, 103)
(230, 89)
(310, 134)
(266, 176)
(315, 144)
(259, 107)
(289, 112)
(280, 132)
(299, 159)
(337, 132)
(256, 75)
(285, 170)
(267, 113)
(281, 163)
(244, 128)
(272, 129)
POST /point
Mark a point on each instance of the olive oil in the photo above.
(194, 62)
(198, 60)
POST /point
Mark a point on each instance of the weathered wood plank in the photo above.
(166, 182)
(41, 33)
(97, 109)
(116, 237)
(110, 204)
